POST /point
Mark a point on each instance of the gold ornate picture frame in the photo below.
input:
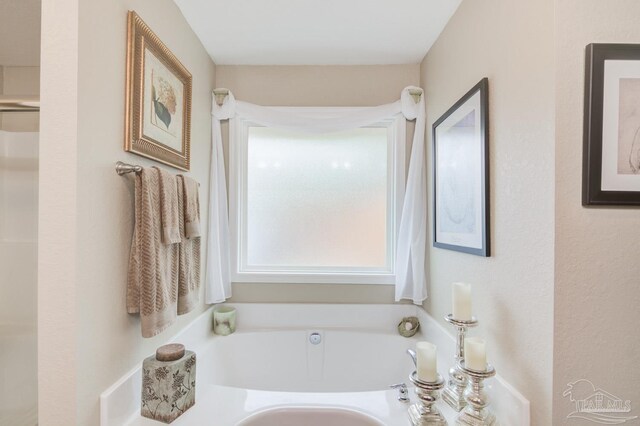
(158, 99)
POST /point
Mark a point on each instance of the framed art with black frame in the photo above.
(461, 174)
(611, 145)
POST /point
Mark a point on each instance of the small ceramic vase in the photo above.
(224, 320)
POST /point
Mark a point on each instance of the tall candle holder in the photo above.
(424, 412)
(476, 412)
(453, 394)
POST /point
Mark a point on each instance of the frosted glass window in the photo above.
(322, 205)
(316, 201)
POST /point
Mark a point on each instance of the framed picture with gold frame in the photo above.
(158, 99)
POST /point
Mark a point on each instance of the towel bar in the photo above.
(124, 168)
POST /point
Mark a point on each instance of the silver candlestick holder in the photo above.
(453, 394)
(424, 412)
(476, 412)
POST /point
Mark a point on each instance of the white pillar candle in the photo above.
(461, 301)
(427, 364)
(475, 354)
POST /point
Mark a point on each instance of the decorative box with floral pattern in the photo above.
(168, 383)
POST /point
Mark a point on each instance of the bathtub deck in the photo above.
(220, 404)
(226, 406)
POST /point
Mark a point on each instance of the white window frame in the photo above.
(238, 137)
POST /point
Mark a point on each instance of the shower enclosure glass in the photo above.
(20, 34)
(18, 277)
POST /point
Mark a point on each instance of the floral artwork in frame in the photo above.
(158, 99)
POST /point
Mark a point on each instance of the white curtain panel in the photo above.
(411, 245)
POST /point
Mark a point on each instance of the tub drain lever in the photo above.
(403, 393)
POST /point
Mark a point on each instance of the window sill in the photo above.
(315, 278)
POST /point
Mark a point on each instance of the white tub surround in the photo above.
(269, 363)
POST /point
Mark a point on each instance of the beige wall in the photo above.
(57, 230)
(19, 81)
(511, 43)
(87, 340)
(364, 85)
(20, 32)
(597, 270)
(316, 86)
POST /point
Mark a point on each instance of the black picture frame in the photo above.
(597, 189)
(448, 232)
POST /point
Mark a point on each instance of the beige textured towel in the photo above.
(189, 251)
(152, 287)
(169, 207)
(191, 207)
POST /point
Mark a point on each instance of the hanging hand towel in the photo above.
(169, 207)
(152, 287)
(189, 247)
(191, 207)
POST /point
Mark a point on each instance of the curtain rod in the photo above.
(12, 103)
(220, 94)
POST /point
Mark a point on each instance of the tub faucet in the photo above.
(412, 354)
(403, 392)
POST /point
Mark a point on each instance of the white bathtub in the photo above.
(268, 371)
